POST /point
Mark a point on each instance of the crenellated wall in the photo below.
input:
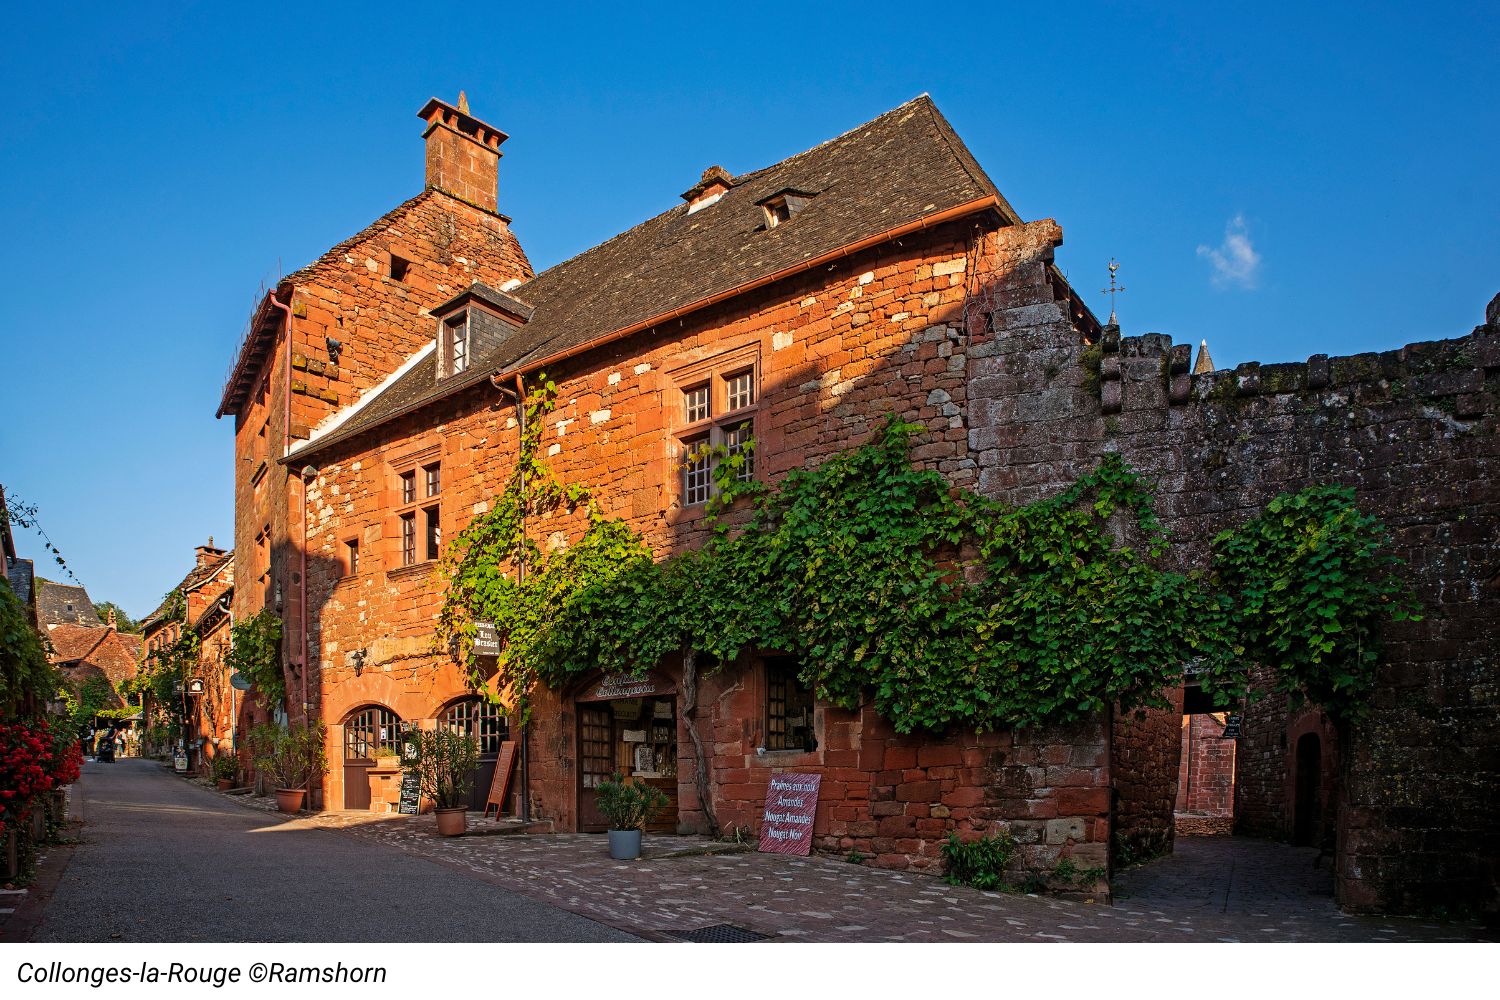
(1414, 432)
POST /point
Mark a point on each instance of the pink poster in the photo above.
(791, 801)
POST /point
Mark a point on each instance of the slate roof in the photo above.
(899, 169)
(61, 603)
(196, 576)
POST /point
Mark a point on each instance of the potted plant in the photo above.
(445, 767)
(293, 757)
(628, 808)
(223, 771)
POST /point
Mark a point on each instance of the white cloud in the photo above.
(1235, 261)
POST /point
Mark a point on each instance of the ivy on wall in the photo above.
(943, 607)
(27, 680)
(255, 653)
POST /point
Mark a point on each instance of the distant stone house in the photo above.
(210, 581)
(84, 653)
(64, 604)
(879, 273)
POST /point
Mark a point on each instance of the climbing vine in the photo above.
(255, 653)
(1309, 583)
(165, 670)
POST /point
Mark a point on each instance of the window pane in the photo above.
(408, 487)
(478, 718)
(696, 401)
(736, 438)
(353, 556)
(697, 475)
(434, 533)
(434, 479)
(458, 343)
(739, 390)
(408, 539)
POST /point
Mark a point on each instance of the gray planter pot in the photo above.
(624, 845)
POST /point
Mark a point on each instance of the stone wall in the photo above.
(880, 333)
(1145, 753)
(1414, 432)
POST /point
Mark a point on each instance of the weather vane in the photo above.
(1112, 290)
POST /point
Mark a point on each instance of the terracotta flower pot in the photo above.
(452, 822)
(224, 784)
(289, 800)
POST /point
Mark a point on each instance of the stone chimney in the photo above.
(712, 186)
(110, 618)
(463, 153)
(207, 553)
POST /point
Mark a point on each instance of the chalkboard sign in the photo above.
(791, 801)
(411, 794)
(505, 766)
(486, 640)
(1232, 727)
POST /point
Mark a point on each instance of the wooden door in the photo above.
(596, 742)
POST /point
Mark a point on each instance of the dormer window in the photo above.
(456, 342)
(782, 205)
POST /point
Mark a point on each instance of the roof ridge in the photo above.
(738, 180)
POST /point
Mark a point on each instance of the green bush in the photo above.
(224, 768)
(445, 763)
(979, 864)
(629, 806)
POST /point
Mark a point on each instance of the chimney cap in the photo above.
(714, 177)
(439, 113)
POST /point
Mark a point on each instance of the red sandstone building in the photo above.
(374, 398)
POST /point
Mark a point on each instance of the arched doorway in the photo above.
(368, 732)
(486, 722)
(1306, 801)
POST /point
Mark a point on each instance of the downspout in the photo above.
(226, 604)
(307, 473)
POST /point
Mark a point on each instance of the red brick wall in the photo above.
(1205, 779)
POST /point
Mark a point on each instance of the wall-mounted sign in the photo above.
(486, 640)
(195, 685)
(1232, 726)
(613, 686)
(179, 763)
(239, 681)
(791, 801)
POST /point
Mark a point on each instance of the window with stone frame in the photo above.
(718, 408)
(419, 532)
(789, 707)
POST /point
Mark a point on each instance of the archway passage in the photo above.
(1205, 776)
(1307, 810)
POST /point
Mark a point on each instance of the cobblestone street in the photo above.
(1213, 889)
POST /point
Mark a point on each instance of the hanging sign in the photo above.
(791, 801)
(486, 640)
(1232, 726)
(239, 681)
(195, 686)
(611, 687)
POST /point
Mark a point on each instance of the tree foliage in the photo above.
(27, 680)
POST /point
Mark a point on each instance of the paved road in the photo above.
(163, 860)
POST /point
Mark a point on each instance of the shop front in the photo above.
(627, 725)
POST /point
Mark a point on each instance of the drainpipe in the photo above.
(519, 395)
(308, 472)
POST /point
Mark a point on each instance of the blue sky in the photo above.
(1279, 179)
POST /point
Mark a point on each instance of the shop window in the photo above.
(789, 707)
(367, 731)
(481, 719)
